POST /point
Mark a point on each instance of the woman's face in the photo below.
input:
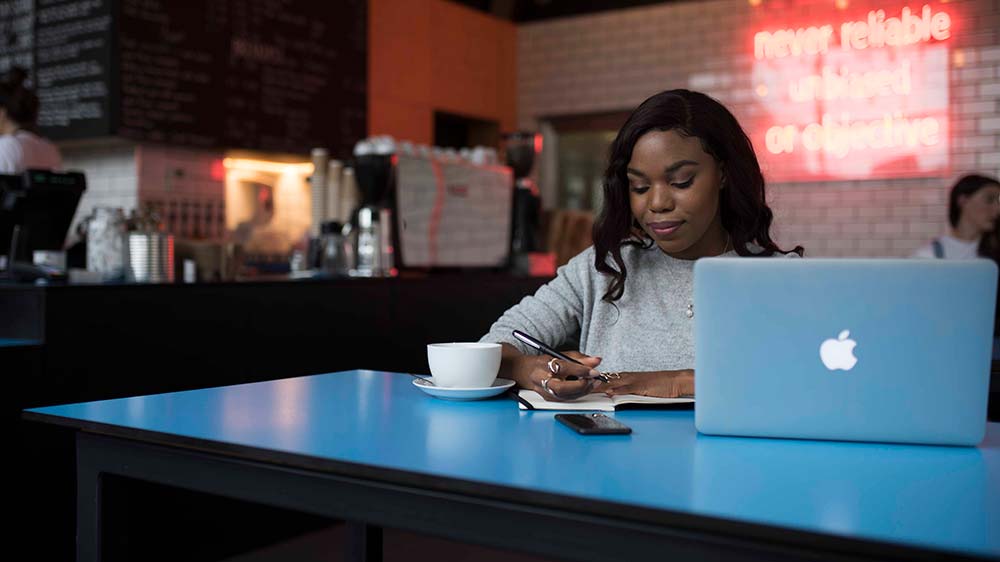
(674, 188)
(981, 208)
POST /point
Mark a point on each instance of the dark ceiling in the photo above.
(533, 10)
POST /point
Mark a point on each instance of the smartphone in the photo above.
(535, 343)
(594, 424)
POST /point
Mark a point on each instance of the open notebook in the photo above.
(596, 401)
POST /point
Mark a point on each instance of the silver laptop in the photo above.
(884, 350)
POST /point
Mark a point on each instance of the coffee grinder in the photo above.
(371, 222)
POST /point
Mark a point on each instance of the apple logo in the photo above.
(839, 353)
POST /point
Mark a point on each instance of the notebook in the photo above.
(884, 350)
(594, 402)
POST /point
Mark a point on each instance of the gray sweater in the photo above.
(646, 330)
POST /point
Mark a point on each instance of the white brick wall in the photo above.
(112, 178)
(612, 61)
(178, 182)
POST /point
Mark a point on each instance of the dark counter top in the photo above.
(107, 341)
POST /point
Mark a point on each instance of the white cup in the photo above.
(464, 365)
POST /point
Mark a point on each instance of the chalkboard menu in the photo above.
(272, 75)
(72, 44)
(172, 61)
(17, 37)
(298, 70)
(269, 75)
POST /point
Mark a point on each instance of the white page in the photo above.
(637, 399)
(593, 402)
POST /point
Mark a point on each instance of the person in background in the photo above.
(682, 183)
(973, 209)
(974, 214)
(20, 147)
(261, 234)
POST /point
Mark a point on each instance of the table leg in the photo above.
(364, 542)
(88, 509)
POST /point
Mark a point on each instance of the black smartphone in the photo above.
(594, 424)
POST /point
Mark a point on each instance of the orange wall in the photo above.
(427, 55)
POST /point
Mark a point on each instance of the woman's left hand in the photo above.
(662, 384)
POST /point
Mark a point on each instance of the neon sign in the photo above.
(854, 98)
(876, 31)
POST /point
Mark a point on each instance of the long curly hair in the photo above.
(743, 207)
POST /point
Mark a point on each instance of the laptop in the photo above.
(887, 350)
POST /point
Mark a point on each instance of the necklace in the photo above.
(690, 309)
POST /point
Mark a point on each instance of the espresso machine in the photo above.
(519, 153)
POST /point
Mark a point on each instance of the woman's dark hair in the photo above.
(744, 210)
(21, 103)
(966, 185)
(989, 247)
(989, 244)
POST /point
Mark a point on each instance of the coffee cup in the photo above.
(464, 365)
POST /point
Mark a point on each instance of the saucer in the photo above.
(499, 387)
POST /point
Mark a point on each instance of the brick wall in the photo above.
(186, 187)
(180, 183)
(612, 61)
(112, 176)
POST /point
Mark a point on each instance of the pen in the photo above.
(532, 342)
(516, 395)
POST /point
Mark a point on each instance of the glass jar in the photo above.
(337, 257)
(107, 244)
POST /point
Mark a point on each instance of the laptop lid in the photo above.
(853, 349)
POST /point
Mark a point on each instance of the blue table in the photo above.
(369, 447)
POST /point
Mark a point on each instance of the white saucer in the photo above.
(499, 386)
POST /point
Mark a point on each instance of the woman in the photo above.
(682, 183)
(20, 148)
(973, 209)
(973, 213)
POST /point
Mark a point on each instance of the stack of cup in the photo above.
(333, 179)
(333, 191)
(317, 189)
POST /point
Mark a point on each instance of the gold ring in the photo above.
(554, 366)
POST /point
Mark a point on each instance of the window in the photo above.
(580, 145)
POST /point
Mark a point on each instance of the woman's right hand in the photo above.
(534, 373)
(557, 380)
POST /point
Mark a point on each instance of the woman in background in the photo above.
(973, 213)
(682, 183)
(20, 147)
(973, 209)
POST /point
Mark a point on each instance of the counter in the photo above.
(95, 339)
